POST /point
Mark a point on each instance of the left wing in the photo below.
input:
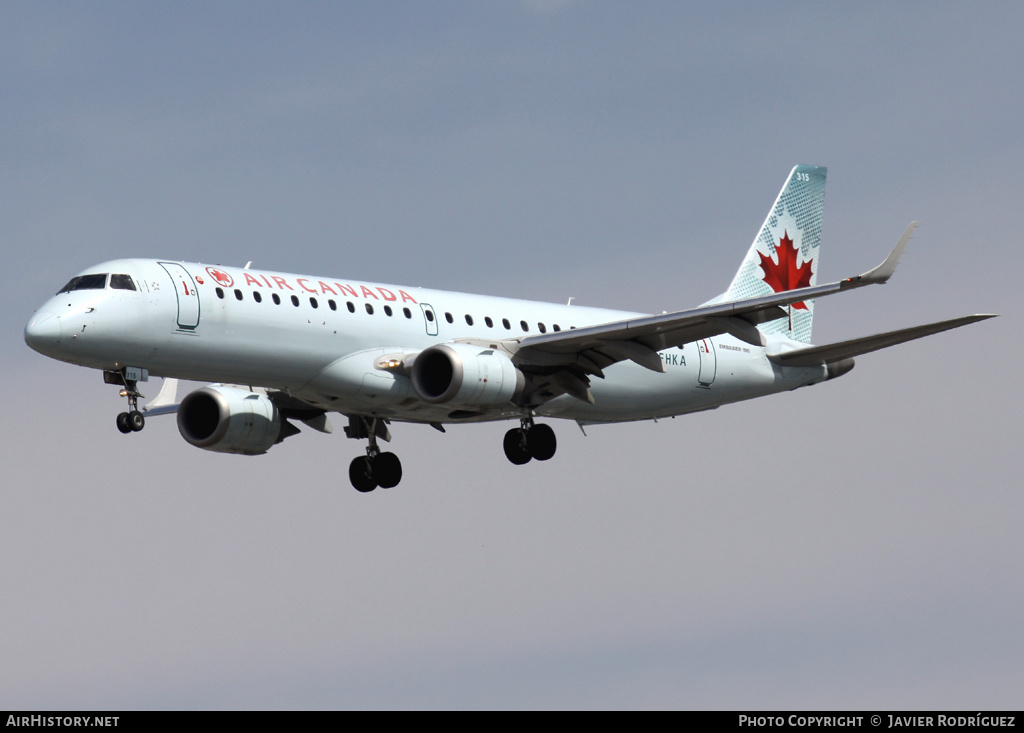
(594, 348)
(166, 401)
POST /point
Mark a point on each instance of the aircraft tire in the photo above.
(122, 423)
(360, 473)
(515, 450)
(136, 420)
(541, 442)
(387, 469)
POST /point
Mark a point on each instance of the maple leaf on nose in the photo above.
(785, 275)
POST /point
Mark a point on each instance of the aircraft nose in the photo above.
(43, 332)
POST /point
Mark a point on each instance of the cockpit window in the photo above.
(122, 282)
(85, 282)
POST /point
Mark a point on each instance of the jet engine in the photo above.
(230, 420)
(465, 376)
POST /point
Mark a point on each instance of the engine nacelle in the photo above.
(465, 376)
(229, 420)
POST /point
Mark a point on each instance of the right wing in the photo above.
(591, 349)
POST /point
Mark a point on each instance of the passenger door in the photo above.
(188, 296)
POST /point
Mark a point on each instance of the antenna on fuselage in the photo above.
(247, 265)
(571, 300)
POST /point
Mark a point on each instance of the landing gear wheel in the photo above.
(516, 449)
(387, 469)
(375, 468)
(133, 420)
(540, 439)
(360, 473)
(136, 420)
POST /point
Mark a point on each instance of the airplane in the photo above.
(282, 348)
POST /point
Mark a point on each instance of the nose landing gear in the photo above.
(132, 421)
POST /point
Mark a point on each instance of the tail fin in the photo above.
(784, 256)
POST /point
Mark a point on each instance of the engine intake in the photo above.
(465, 376)
(230, 420)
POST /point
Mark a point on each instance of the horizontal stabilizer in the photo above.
(817, 355)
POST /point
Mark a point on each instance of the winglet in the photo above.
(885, 270)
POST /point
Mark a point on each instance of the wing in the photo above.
(588, 351)
(166, 401)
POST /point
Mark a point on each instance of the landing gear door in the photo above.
(188, 296)
(430, 318)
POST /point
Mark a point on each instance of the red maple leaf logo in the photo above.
(786, 275)
(221, 277)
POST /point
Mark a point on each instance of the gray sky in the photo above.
(854, 545)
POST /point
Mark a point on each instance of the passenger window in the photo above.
(220, 293)
(351, 307)
(256, 296)
(469, 320)
(277, 298)
(524, 325)
(333, 305)
(387, 310)
(312, 302)
(369, 309)
(238, 294)
(407, 312)
(295, 301)
(557, 327)
(489, 322)
(542, 328)
(448, 317)
(506, 324)
(122, 282)
(430, 315)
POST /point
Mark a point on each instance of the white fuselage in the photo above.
(317, 338)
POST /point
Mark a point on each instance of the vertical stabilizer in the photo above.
(784, 256)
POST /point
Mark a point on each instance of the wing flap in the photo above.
(635, 351)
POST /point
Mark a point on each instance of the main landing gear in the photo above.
(375, 468)
(529, 441)
(383, 469)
